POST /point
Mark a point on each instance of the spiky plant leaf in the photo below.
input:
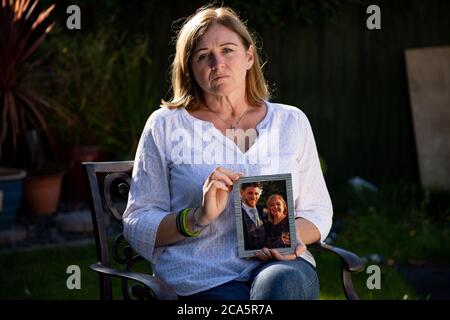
(23, 28)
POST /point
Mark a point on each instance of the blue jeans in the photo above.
(275, 280)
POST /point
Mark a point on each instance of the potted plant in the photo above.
(114, 79)
(42, 186)
(10, 195)
(24, 135)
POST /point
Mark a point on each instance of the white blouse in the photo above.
(175, 155)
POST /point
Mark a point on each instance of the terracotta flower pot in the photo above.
(41, 194)
(75, 188)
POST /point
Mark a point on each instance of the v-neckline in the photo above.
(228, 141)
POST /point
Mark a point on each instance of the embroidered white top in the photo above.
(177, 152)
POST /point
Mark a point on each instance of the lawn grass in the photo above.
(393, 286)
(401, 226)
(41, 274)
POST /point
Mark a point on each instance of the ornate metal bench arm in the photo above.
(350, 263)
(162, 290)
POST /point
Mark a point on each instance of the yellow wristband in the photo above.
(184, 225)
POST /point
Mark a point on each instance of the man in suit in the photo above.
(252, 216)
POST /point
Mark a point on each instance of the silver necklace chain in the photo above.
(236, 125)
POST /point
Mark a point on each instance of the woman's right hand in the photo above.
(216, 189)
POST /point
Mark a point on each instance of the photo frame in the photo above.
(261, 220)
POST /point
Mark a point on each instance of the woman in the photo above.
(277, 226)
(219, 126)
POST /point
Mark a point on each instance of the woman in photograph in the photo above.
(277, 224)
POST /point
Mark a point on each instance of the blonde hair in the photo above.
(186, 92)
(273, 196)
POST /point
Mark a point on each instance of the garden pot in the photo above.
(75, 188)
(41, 194)
(10, 194)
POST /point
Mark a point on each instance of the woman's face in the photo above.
(220, 62)
(276, 206)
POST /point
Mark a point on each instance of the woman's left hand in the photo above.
(267, 254)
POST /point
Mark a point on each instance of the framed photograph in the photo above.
(264, 211)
